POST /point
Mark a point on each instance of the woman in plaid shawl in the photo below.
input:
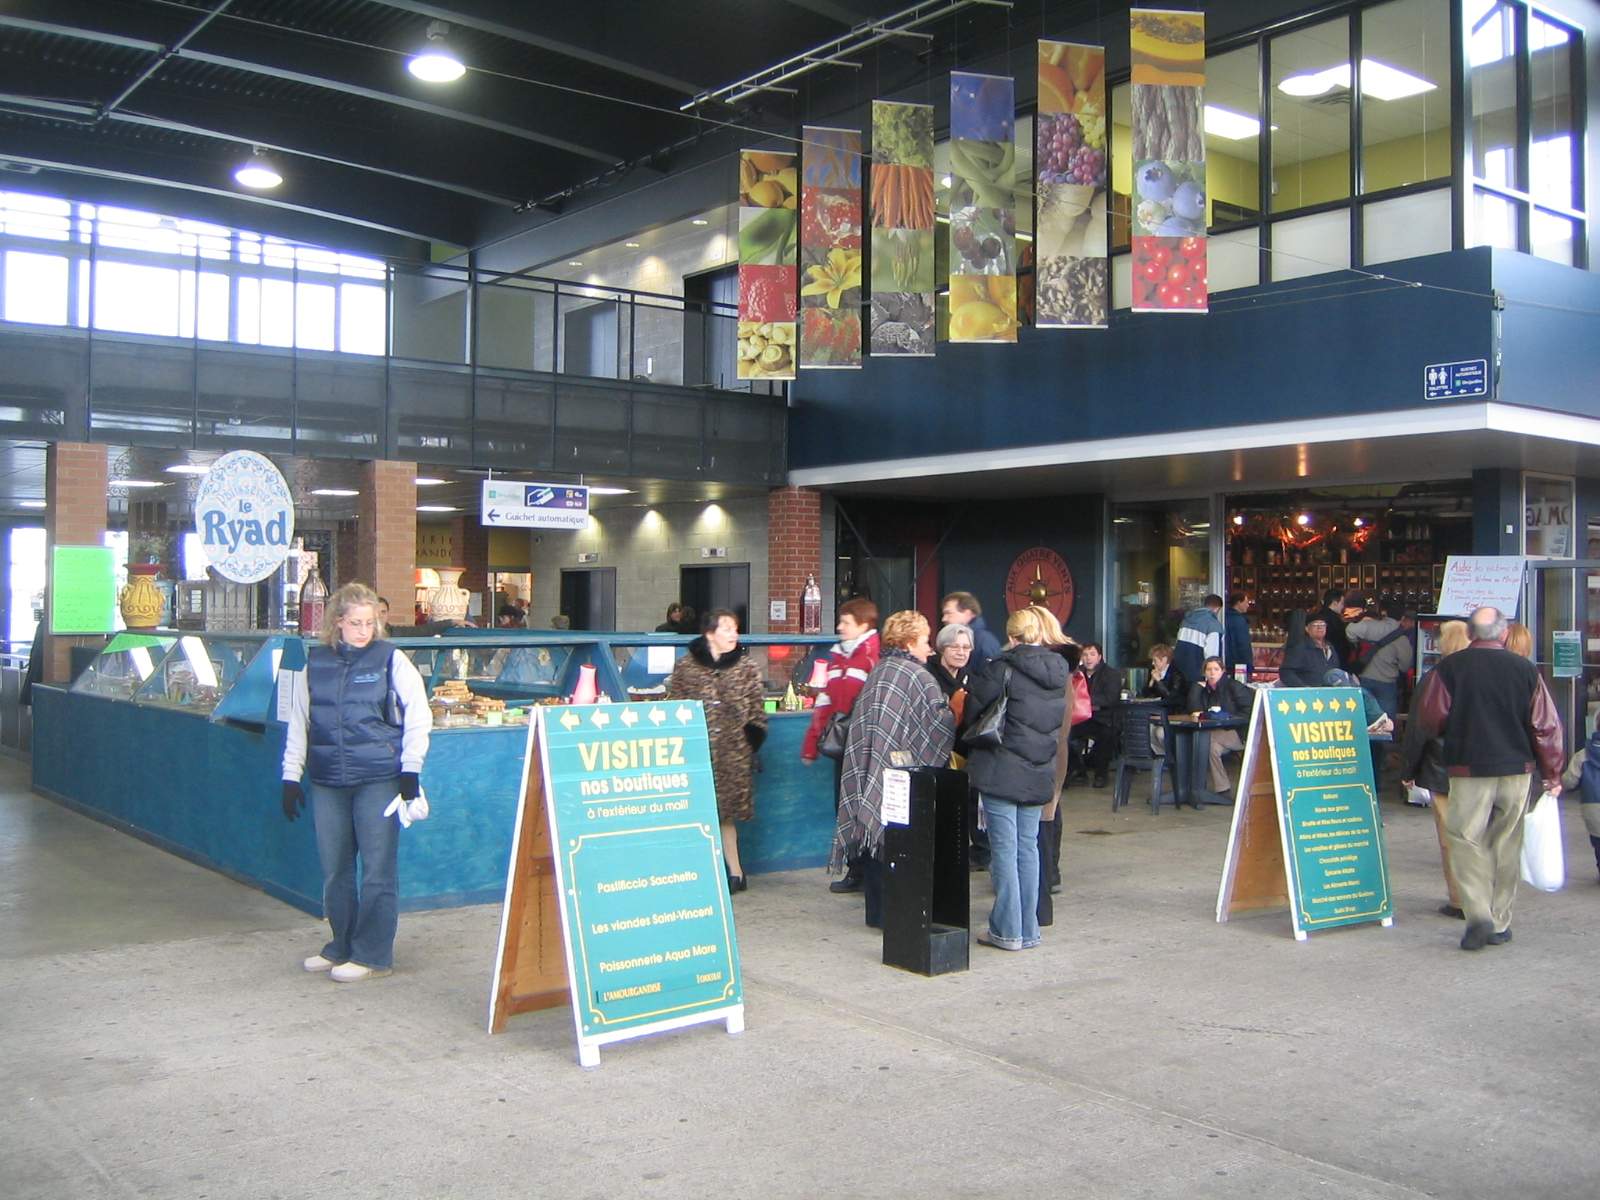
(900, 712)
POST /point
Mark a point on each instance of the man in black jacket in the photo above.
(1332, 611)
(1105, 692)
(1499, 725)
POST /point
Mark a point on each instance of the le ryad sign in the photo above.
(244, 515)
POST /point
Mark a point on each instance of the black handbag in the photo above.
(984, 732)
(834, 735)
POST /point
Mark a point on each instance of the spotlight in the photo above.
(436, 62)
(1303, 519)
(1358, 522)
(1238, 518)
(257, 172)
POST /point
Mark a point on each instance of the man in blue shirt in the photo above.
(1236, 626)
(962, 608)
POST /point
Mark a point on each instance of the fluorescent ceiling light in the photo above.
(137, 483)
(631, 245)
(436, 508)
(334, 492)
(257, 172)
(1378, 80)
(436, 62)
(32, 504)
(574, 262)
(610, 491)
(429, 481)
(187, 469)
(699, 221)
(1225, 123)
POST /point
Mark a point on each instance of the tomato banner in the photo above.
(983, 208)
(830, 248)
(1074, 272)
(1169, 161)
(902, 229)
(768, 263)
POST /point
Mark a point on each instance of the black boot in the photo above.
(851, 881)
(1595, 842)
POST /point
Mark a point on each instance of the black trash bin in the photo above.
(926, 909)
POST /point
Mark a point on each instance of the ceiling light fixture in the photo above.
(138, 483)
(574, 262)
(436, 62)
(436, 508)
(610, 491)
(429, 481)
(32, 504)
(257, 172)
(187, 469)
(699, 221)
(1303, 519)
(1378, 80)
(334, 492)
(1358, 522)
(1229, 125)
(631, 245)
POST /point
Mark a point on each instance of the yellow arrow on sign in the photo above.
(1283, 706)
(1300, 706)
(1350, 704)
(1316, 705)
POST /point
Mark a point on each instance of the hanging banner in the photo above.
(983, 216)
(1073, 289)
(902, 229)
(768, 263)
(830, 248)
(1169, 161)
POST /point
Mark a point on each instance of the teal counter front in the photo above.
(185, 755)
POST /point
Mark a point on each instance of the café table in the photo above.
(1190, 746)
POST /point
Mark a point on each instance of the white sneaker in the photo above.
(317, 963)
(354, 972)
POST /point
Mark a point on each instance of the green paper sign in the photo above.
(1566, 654)
(1328, 806)
(83, 589)
(638, 855)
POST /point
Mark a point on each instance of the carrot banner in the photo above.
(1073, 276)
(1169, 161)
(768, 264)
(983, 208)
(830, 248)
(902, 229)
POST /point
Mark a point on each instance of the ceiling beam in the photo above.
(510, 18)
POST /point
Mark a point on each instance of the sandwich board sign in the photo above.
(617, 896)
(1306, 831)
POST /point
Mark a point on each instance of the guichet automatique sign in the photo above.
(244, 515)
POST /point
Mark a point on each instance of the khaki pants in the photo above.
(1483, 827)
(1441, 805)
(1222, 740)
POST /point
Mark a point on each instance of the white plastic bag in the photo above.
(1544, 865)
(1420, 796)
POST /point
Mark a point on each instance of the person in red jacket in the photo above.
(849, 664)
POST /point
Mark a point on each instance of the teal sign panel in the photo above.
(1328, 807)
(638, 850)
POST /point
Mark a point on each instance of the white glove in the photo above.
(408, 811)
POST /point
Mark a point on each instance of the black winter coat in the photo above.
(1105, 687)
(1022, 768)
(1172, 689)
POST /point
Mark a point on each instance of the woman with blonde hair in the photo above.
(900, 711)
(1519, 640)
(357, 732)
(1016, 778)
(1422, 763)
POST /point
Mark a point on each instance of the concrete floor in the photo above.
(159, 1039)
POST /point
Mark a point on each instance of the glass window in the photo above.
(1161, 568)
(22, 215)
(1406, 226)
(314, 316)
(36, 288)
(1547, 519)
(1494, 220)
(27, 577)
(1233, 260)
(361, 318)
(213, 306)
(1551, 175)
(1554, 237)
(1492, 82)
(1311, 245)
(1310, 110)
(131, 298)
(1121, 166)
(1233, 133)
(1405, 93)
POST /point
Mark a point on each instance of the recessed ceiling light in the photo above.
(429, 481)
(610, 491)
(1225, 123)
(137, 483)
(32, 504)
(631, 245)
(699, 221)
(436, 62)
(436, 508)
(187, 469)
(257, 172)
(334, 492)
(1378, 80)
(574, 262)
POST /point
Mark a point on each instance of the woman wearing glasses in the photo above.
(358, 732)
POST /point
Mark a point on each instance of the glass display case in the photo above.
(197, 672)
(222, 676)
(123, 667)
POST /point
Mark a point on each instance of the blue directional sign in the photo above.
(1455, 380)
(534, 505)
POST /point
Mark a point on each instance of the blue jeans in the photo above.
(1014, 868)
(350, 822)
(1386, 694)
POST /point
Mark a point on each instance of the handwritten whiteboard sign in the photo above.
(1472, 581)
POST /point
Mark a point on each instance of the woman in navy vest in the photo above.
(358, 731)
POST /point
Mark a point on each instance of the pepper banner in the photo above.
(983, 216)
(902, 229)
(1169, 161)
(768, 264)
(830, 248)
(1073, 276)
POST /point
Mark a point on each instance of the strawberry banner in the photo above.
(983, 217)
(830, 248)
(1169, 161)
(902, 229)
(1073, 288)
(768, 254)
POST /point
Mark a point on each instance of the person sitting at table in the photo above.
(1166, 683)
(1307, 662)
(1105, 690)
(1219, 695)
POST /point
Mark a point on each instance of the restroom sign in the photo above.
(1456, 380)
(244, 516)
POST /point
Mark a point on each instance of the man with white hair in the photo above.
(1499, 725)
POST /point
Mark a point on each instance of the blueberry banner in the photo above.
(902, 229)
(983, 208)
(768, 264)
(830, 248)
(1169, 161)
(1073, 279)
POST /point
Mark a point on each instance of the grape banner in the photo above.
(1073, 274)
(768, 264)
(902, 229)
(830, 248)
(983, 208)
(1169, 161)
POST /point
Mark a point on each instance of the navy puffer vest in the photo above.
(351, 740)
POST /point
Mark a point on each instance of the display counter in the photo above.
(175, 737)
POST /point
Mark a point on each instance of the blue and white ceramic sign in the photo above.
(244, 515)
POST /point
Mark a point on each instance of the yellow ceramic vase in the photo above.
(141, 601)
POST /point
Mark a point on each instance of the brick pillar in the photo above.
(343, 568)
(75, 482)
(794, 550)
(386, 541)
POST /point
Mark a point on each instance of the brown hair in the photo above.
(965, 601)
(714, 618)
(903, 628)
(1452, 637)
(864, 611)
(351, 595)
(1519, 640)
(1161, 650)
